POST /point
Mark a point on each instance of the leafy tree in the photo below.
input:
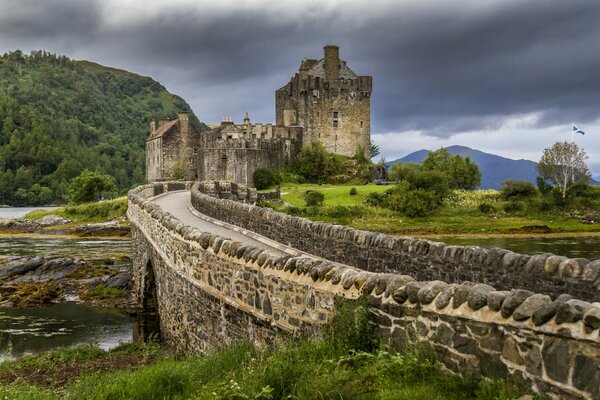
(400, 171)
(316, 164)
(564, 164)
(91, 186)
(374, 150)
(461, 172)
(265, 178)
(511, 189)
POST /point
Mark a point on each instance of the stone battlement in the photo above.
(212, 291)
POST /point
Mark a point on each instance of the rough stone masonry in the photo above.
(211, 291)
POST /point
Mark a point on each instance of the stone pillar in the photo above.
(332, 62)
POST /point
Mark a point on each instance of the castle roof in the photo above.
(318, 69)
(164, 128)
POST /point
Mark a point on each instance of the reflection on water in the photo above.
(571, 246)
(90, 250)
(33, 330)
(18, 212)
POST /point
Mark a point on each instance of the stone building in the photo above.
(330, 102)
(325, 101)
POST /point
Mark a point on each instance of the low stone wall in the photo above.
(273, 196)
(212, 291)
(423, 259)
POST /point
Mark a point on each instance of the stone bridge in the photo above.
(218, 269)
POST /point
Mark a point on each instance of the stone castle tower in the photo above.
(330, 102)
(325, 101)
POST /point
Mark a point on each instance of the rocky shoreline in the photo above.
(50, 226)
(41, 280)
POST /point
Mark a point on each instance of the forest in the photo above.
(59, 117)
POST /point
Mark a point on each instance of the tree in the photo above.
(91, 186)
(178, 170)
(564, 164)
(461, 172)
(316, 164)
(375, 150)
(264, 178)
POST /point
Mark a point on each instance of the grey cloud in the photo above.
(439, 67)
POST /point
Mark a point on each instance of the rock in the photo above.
(586, 375)
(461, 294)
(529, 306)
(496, 298)
(571, 311)
(591, 272)
(412, 289)
(514, 300)
(552, 263)
(591, 318)
(52, 220)
(120, 281)
(445, 296)
(545, 313)
(556, 361)
(429, 292)
(477, 297)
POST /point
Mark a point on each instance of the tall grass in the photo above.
(88, 212)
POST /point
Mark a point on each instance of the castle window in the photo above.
(336, 122)
(361, 124)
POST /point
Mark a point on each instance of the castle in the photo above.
(324, 101)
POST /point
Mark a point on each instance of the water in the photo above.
(17, 212)
(32, 330)
(569, 246)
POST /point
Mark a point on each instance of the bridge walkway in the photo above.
(178, 204)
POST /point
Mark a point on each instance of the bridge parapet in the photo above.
(212, 291)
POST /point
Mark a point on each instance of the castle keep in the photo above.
(325, 101)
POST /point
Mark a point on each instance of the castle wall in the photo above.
(213, 291)
(154, 160)
(236, 159)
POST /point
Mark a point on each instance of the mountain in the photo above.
(59, 116)
(494, 169)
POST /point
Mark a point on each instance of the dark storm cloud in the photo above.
(440, 67)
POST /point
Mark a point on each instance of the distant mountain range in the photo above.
(494, 169)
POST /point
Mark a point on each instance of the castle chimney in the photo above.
(332, 61)
(152, 126)
(246, 119)
(184, 123)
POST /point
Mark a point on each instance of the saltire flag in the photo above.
(577, 130)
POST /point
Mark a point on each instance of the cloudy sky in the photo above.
(503, 76)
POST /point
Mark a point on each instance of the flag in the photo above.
(577, 130)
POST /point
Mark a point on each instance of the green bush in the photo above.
(375, 199)
(513, 206)
(316, 164)
(516, 189)
(353, 192)
(91, 186)
(314, 198)
(265, 178)
(413, 202)
(487, 208)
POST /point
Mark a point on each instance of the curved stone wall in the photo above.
(423, 259)
(212, 291)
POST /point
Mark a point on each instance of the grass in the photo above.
(458, 216)
(347, 364)
(101, 211)
(101, 292)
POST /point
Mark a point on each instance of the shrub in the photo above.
(516, 189)
(316, 164)
(375, 199)
(265, 178)
(486, 208)
(513, 206)
(314, 198)
(413, 202)
(91, 186)
(353, 192)
(346, 211)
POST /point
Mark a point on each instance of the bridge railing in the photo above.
(206, 282)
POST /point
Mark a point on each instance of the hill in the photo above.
(494, 169)
(59, 116)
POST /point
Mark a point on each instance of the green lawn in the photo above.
(461, 217)
(334, 194)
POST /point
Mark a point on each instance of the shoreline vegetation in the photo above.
(347, 363)
(461, 213)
